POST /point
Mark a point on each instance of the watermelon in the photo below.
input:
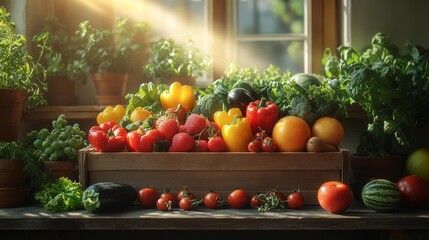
(305, 80)
(381, 195)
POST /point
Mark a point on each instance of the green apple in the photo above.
(418, 163)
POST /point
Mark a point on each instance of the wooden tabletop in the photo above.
(202, 218)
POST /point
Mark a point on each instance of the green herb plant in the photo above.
(18, 69)
(60, 196)
(108, 50)
(60, 58)
(61, 143)
(36, 175)
(170, 58)
(392, 89)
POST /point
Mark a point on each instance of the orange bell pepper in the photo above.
(178, 94)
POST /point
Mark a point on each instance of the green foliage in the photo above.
(60, 58)
(63, 195)
(61, 143)
(18, 69)
(113, 50)
(36, 176)
(392, 89)
(147, 98)
(167, 57)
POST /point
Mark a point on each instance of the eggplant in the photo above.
(240, 98)
(106, 197)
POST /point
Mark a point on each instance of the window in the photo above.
(268, 32)
(291, 34)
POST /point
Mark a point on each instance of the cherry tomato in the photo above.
(295, 200)
(238, 198)
(213, 200)
(256, 201)
(269, 145)
(147, 197)
(414, 191)
(276, 193)
(254, 146)
(163, 204)
(185, 192)
(335, 196)
(187, 203)
(170, 197)
(259, 135)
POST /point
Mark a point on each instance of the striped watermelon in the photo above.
(381, 195)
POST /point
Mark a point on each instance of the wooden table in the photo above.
(356, 223)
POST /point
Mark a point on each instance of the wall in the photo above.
(401, 20)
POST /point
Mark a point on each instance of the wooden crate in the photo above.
(222, 172)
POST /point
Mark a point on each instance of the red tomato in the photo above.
(335, 196)
(277, 194)
(295, 200)
(213, 200)
(256, 201)
(170, 197)
(254, 146)
(186, 203)
(163, 204)
(147, 197)
(414, 191)
(238, 198)
(185, 192)
(269, 145)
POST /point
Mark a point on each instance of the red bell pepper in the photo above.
(140, 141)
(107, 137)
(262, 115)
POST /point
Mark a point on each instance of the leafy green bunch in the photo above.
(18, 69)
(61, 143)
(392, 89)
(62, 195)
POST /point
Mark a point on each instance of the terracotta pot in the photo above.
(12, 173)
(12, 104)
(59, 169)
(364, 169)
(12, 197)
(110, 87)
(61, 91)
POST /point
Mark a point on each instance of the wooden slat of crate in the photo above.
(222, 172)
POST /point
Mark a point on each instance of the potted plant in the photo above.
(21, 77)
(20, 173)
(62, 69)
(108, 55)
(170, 61)
(393, 91)
(58, 148)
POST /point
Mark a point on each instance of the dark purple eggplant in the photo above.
(240, 98)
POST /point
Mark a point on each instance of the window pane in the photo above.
(287, 55)
(270, 16)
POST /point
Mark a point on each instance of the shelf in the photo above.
(71, 112)
(202, 218)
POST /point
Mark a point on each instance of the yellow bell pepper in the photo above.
(237, 135)
(224, 118)
(178, 94)
(111, 113)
